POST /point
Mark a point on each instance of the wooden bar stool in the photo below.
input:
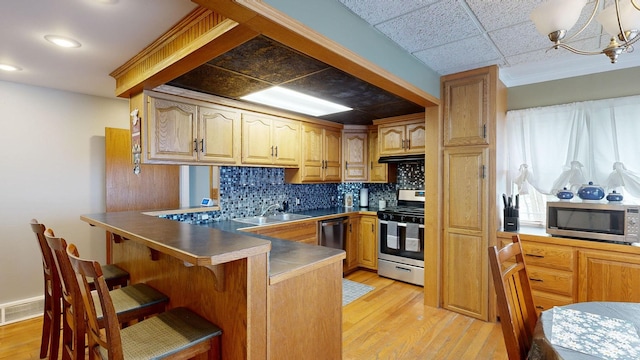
(133, 302)
(178, 333)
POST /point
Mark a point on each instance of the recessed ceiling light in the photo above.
(295, 101)
(7, 67)
(62, 41)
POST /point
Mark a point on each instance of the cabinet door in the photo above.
(377, 172)
(256, 140)
(311, 164)
(351, 247)
(171, 131)
(332, 155)
(607, 276)
(465, 260)
(466, 110)
(368, 243)
(219, 135)
(415, 138)
(355, 157)
(286, 140)
(391, 139)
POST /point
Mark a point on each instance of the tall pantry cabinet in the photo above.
(474, 107)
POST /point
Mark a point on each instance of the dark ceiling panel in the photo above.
(262, 62)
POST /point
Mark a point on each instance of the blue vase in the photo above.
(614, 196)
(565, 194)
(591, 192)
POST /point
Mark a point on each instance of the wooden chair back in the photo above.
(52, 294)
(110, 337)
(515, 302)
(73, 309)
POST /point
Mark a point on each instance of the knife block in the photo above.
(511, 223)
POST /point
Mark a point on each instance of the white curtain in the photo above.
(569, 145)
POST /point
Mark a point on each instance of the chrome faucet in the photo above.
(272, 206)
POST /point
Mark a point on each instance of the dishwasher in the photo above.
(333, 232)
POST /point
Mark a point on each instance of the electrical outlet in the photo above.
(333, 198)
(297, 201)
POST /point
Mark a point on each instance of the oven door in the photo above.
(409, 251)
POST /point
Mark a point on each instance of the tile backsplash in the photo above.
(245, 191)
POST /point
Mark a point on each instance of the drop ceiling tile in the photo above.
(430, 26)
(217, 81)
(461, 68)
(459, 54)
(495, 15)
(377, 11)
(549, 54)
(518, 39)
(263, 59)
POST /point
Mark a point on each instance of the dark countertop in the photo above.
(288, 257)
(223, 241)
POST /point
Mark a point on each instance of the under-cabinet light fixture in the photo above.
(295, 101)
(62, 41)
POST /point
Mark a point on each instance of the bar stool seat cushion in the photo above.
(132, 298)
(165, 334)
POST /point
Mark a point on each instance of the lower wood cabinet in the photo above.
(368, 242)
(563, 271)
(606, 276)
(351, 247)
(303, 231)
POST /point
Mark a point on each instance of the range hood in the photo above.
(412, 158)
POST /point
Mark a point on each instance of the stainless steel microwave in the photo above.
(597, 221)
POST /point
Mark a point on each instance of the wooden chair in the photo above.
(177, 334)
(50, 339)
(515, 303)
(132, 302)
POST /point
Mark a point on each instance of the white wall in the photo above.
(51, 169)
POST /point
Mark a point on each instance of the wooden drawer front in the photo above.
(548, 280)
(549, 256)
(545, 301)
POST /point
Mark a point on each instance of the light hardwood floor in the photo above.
(389, 322)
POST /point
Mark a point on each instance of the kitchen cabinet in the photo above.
(351, 246)
(608, 276)
(182, 131)
(354, 148)
(299, 231)
(268, 140)
(401, 135)
(552, 272)
(379, 173)
(368, 242)
(470, 178)
(321, 156)
(465, 262)
(466, 111)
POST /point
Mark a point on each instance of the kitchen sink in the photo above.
(262, 220)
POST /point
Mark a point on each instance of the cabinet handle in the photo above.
(483, 172)
(346, 165)
(408, 144)
(195, 145)
(372, 165)
(535, 256)
(372, 229)
(403, 141)
(276, 151)
(272, 151)
(350, 227)
(484, 131)
(536, 280)
(202, 145)
(539, 307)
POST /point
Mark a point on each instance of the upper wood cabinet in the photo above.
(267, 140)
(401, 135)
(354, 148)
(179, 131)
(466, 112)
(321, 156)
(379, 172)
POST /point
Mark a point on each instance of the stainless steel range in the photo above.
(401, 238)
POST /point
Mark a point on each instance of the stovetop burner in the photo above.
(410, 208)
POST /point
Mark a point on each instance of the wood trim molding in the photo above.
(192, 39)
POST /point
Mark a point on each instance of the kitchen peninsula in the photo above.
(226, 278)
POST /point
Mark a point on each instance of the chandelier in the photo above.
(621, 20)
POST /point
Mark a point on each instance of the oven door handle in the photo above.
(421, 226)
